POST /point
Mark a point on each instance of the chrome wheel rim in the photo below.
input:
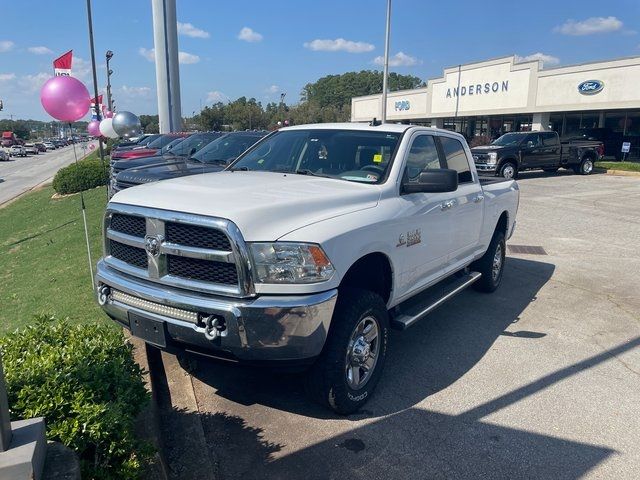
(362, 353)
(508, 171)
(587, 166)
(496, 266)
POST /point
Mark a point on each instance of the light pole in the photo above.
(385, 73)
(109, 72)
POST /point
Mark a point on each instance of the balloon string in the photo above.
(84, 213)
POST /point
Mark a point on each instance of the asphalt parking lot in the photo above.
(538, 380)
(21, 174)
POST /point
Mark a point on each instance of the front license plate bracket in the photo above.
(150, 330)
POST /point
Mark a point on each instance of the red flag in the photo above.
(96, 108)
(62, 64)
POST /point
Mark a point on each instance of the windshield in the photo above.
(170, 146)
(162, 141)
(358, 156)
(147, 140)
(193, 143)
(227, 148)
(508, 140)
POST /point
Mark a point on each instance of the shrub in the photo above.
(81, 176)
(83, 380)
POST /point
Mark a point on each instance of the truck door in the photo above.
(532, 151)
(423, 223)
(467, 210)
(551, 147)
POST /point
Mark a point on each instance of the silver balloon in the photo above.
(126, 124)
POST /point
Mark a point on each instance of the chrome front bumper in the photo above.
(483, 167)
(259, 329)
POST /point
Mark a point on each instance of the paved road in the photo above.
(538, 380)
(23, 173)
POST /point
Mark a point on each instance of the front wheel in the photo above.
(508, 170)
(349, 368)
(491, 265)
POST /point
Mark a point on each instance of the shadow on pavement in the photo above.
(422, 361)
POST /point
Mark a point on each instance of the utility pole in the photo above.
(385, 72)
(109, 72)
(165, 41)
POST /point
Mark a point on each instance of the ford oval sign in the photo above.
(590, 87)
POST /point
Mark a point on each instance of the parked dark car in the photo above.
(212, 158)
(141, 143)
(41, 147)
(517, 151)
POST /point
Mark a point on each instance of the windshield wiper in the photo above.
(310, 173)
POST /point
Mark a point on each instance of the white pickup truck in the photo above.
(307, 249)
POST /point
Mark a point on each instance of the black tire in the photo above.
(327, 380)
(550, 170)
(506, 168)
(586, 166)
(489, 281)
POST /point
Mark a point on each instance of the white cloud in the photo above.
(543, 57)
(339, 44)
(589, 26)
(6, 45)
(148, 53)
(40, 50)
(81, 68)
(216, 96)
(183, 57)
(187, 58)
(400, 59)
(33, 83)
(273, 89)
(134, 92)
(249, 35)
(188, 30)
(5, 77)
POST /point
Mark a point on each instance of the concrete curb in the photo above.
(624, 173)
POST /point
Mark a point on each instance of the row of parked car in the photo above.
(36, 148)
(158, 157)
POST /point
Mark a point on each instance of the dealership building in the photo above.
(504, 95)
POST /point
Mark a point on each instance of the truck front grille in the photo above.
(175, 249)
(129, 224)
(203, 270)
(196, 236)
(128, 254)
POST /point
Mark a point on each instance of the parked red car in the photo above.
(152, 149)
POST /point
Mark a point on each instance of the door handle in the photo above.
(478, 198)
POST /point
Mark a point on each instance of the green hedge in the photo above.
(83, 380)
(81, 176)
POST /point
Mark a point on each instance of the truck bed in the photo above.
(490, 180)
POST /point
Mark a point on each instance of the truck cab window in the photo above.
(532, 141)
(550, 139)
(423, 155)
(456, 158)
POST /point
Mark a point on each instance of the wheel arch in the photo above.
(373, 272)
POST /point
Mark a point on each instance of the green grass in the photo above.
(43, 258)
(626, 166)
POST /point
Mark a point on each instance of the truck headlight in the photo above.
(285, 262)
(493, 158)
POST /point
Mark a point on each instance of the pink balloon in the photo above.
(65, 98)
(94, 128)
(108, 114)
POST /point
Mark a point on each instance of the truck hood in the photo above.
(264, 205)
(179, 167)
(486, 148)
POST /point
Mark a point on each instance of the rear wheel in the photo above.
(491, 265)
(585, 167)
(508, 170)
(349, 368)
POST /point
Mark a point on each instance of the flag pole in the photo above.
(385, 73)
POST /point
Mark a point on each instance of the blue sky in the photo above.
(262, 48)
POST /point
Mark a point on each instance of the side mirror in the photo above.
(530, 144)
(435, 180)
